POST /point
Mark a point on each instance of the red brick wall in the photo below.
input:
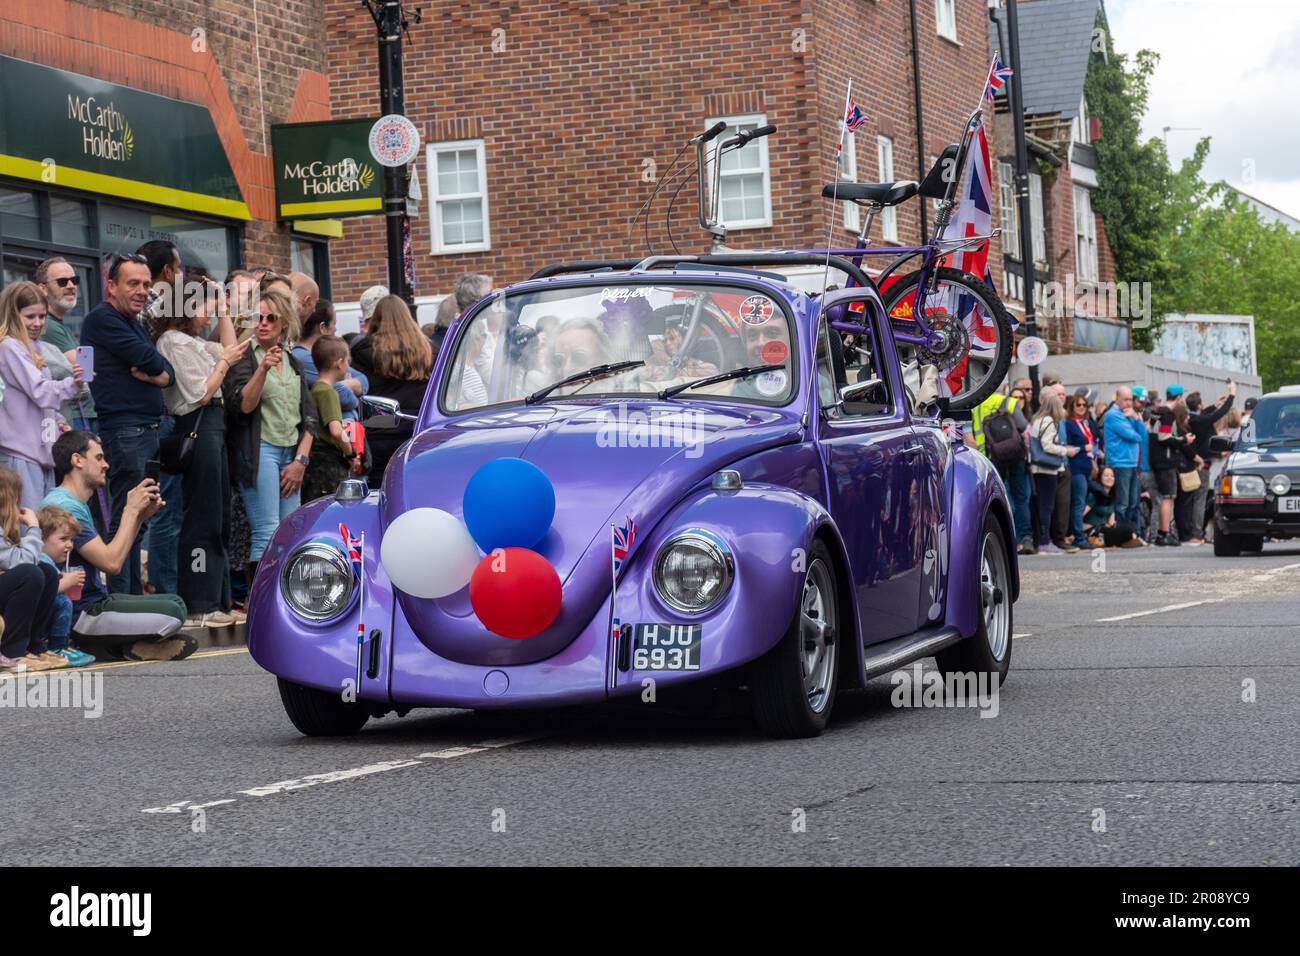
(248, 73)
(584, 92)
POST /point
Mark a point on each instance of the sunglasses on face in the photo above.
(579, 357)
(270, 318)
(67, 281)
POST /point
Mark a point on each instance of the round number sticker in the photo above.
(1032, 350)
(774, 353)
(756, 310)
(770, 383)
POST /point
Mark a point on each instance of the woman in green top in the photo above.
(270, 425)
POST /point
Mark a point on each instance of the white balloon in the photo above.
(428, 553)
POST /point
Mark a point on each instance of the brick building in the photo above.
(126, 120)
(547, 123)
(1070, 244)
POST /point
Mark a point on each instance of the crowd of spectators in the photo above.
(138, 491)
(1128, 470)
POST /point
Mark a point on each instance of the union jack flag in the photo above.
(623, 537)
(352, 546)
(854, 117)
(998, 76)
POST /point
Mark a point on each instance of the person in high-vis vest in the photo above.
(1015, 474)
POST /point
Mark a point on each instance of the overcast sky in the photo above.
(1231, 67)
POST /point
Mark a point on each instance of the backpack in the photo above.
(1003, 442)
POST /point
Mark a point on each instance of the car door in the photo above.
(873, 466)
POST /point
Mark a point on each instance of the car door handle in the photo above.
(911, 450)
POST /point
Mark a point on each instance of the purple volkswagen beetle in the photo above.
(745, 494)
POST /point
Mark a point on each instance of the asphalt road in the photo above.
(1115, 742)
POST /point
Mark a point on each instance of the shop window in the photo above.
(20, 216)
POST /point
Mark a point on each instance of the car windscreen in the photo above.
(520, 343)
(1275, 421)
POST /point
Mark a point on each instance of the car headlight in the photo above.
(1279, 484)
(317, 581)
(1247, 486)
(693, 571)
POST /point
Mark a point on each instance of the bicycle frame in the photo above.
(936, 249)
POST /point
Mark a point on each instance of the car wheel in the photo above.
(1252, 542)
(320, 714)
(1227, 545)
(988, 650)
(793, 685)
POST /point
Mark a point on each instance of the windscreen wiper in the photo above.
(720, 377)
(595, 372)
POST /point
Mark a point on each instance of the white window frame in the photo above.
(885, 166)
(1085, 237)
(440, 248)
(752, 120)
(1007, 207)
(945, 19)
(852, 213)
(1036, 218)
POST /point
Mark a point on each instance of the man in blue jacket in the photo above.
(1125, 435)
(130, 375)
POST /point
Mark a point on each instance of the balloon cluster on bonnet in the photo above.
(508, 506)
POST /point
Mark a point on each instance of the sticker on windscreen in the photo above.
(756, 310)
(775, 353)
(770, 383)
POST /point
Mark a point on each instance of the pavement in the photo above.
(1121, 737)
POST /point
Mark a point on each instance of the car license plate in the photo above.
(666, 647)
(1288, 505)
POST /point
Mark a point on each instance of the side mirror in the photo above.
(871, 390)
(373, 405)
(836, 306)
(1221, 443)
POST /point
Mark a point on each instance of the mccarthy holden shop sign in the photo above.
(325, 170)
(65, 129)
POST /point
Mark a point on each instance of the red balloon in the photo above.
(515, 593)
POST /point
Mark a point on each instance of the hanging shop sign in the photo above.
(324, 170)
(66, 129)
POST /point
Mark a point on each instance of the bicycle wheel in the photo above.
(978, 352)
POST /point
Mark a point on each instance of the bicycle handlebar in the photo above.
(711, 133)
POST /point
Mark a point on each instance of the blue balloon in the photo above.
(509, 503)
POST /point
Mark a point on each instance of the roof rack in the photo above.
(846, 266)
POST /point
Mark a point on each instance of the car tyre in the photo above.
(317, 713)
(988, 650)
(1228, 545)
(793, 685)
(1252, 542)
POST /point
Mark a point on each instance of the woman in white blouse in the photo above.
(194, 398)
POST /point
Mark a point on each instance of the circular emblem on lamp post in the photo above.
(394, 140)
(1032, 350)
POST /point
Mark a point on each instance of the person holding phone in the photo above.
(60, 367)
(30, 419)
(59, 281)
(196, 401)
(270, 422)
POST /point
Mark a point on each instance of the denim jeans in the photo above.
(262, 502)
(1078, 498)
(1128, 495)
(165, 526)
(127, 450)
(61, 623)
(1016, 477)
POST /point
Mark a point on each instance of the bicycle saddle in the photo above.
(884, 194)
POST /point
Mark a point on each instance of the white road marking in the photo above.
(1268, 575)
(1158, 610)
(1018, 636)
(352, 773)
